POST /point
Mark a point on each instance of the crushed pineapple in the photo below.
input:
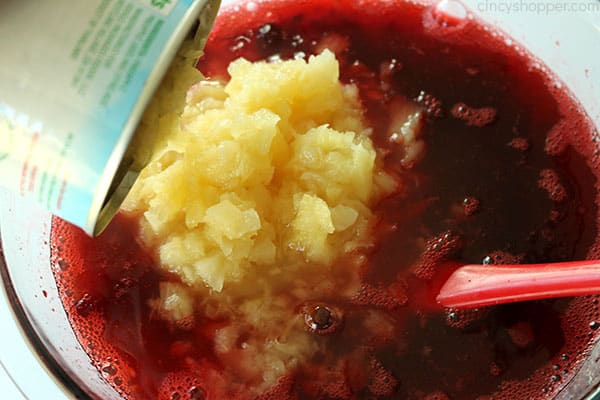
(252, 194)
(273, 168)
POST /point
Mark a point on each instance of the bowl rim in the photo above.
(73, 389)
(70, 387)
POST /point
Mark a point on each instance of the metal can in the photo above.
(75, 78)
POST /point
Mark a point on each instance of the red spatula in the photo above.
(473, 286)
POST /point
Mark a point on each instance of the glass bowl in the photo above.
(53, 364)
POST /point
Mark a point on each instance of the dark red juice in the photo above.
(509, 175)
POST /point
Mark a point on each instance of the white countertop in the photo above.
(9, 389)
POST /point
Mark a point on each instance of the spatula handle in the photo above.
(473, 286)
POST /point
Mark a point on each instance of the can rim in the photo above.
(121, 172)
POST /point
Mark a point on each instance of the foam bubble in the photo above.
(182, 386)
(520, 143)
(470, 205)
(499, 257)
(322, 319)
(437, 250)
(331, 383)
(282, 390)
(432, 106)
(449, 13)
(86, 305)
(380, 296)
(461, 319)
(550, 182)
(556, 139)
(476, 117)
(388, 69)
(437, 396)
(495, 369)
(382, 382)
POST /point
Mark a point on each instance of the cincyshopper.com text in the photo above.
(538, 7)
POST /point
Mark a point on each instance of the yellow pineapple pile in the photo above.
(272, 171)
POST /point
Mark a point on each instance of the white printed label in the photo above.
(71, 74)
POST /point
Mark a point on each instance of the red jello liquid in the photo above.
(509, 175)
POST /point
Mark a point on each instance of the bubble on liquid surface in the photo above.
(85, 305)
(282, 390)
(502, 257)
(470, 205)
(62, 264)
(182, 386)
(437, 250)
(556, 139)
(382, 297)
(520, 143)
(450, 13)
(461, 319)
(475, 117)
(197, 393)
(550, 182)
(432, 106)
(437, 396)
(382, 382)
(495, 369)
(108, 369)
(322, 319)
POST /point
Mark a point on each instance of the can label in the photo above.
(74, 79)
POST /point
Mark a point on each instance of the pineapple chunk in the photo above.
(333, 164)
(230, 221)
(311, 227)
(343, 217)
(175, 304)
